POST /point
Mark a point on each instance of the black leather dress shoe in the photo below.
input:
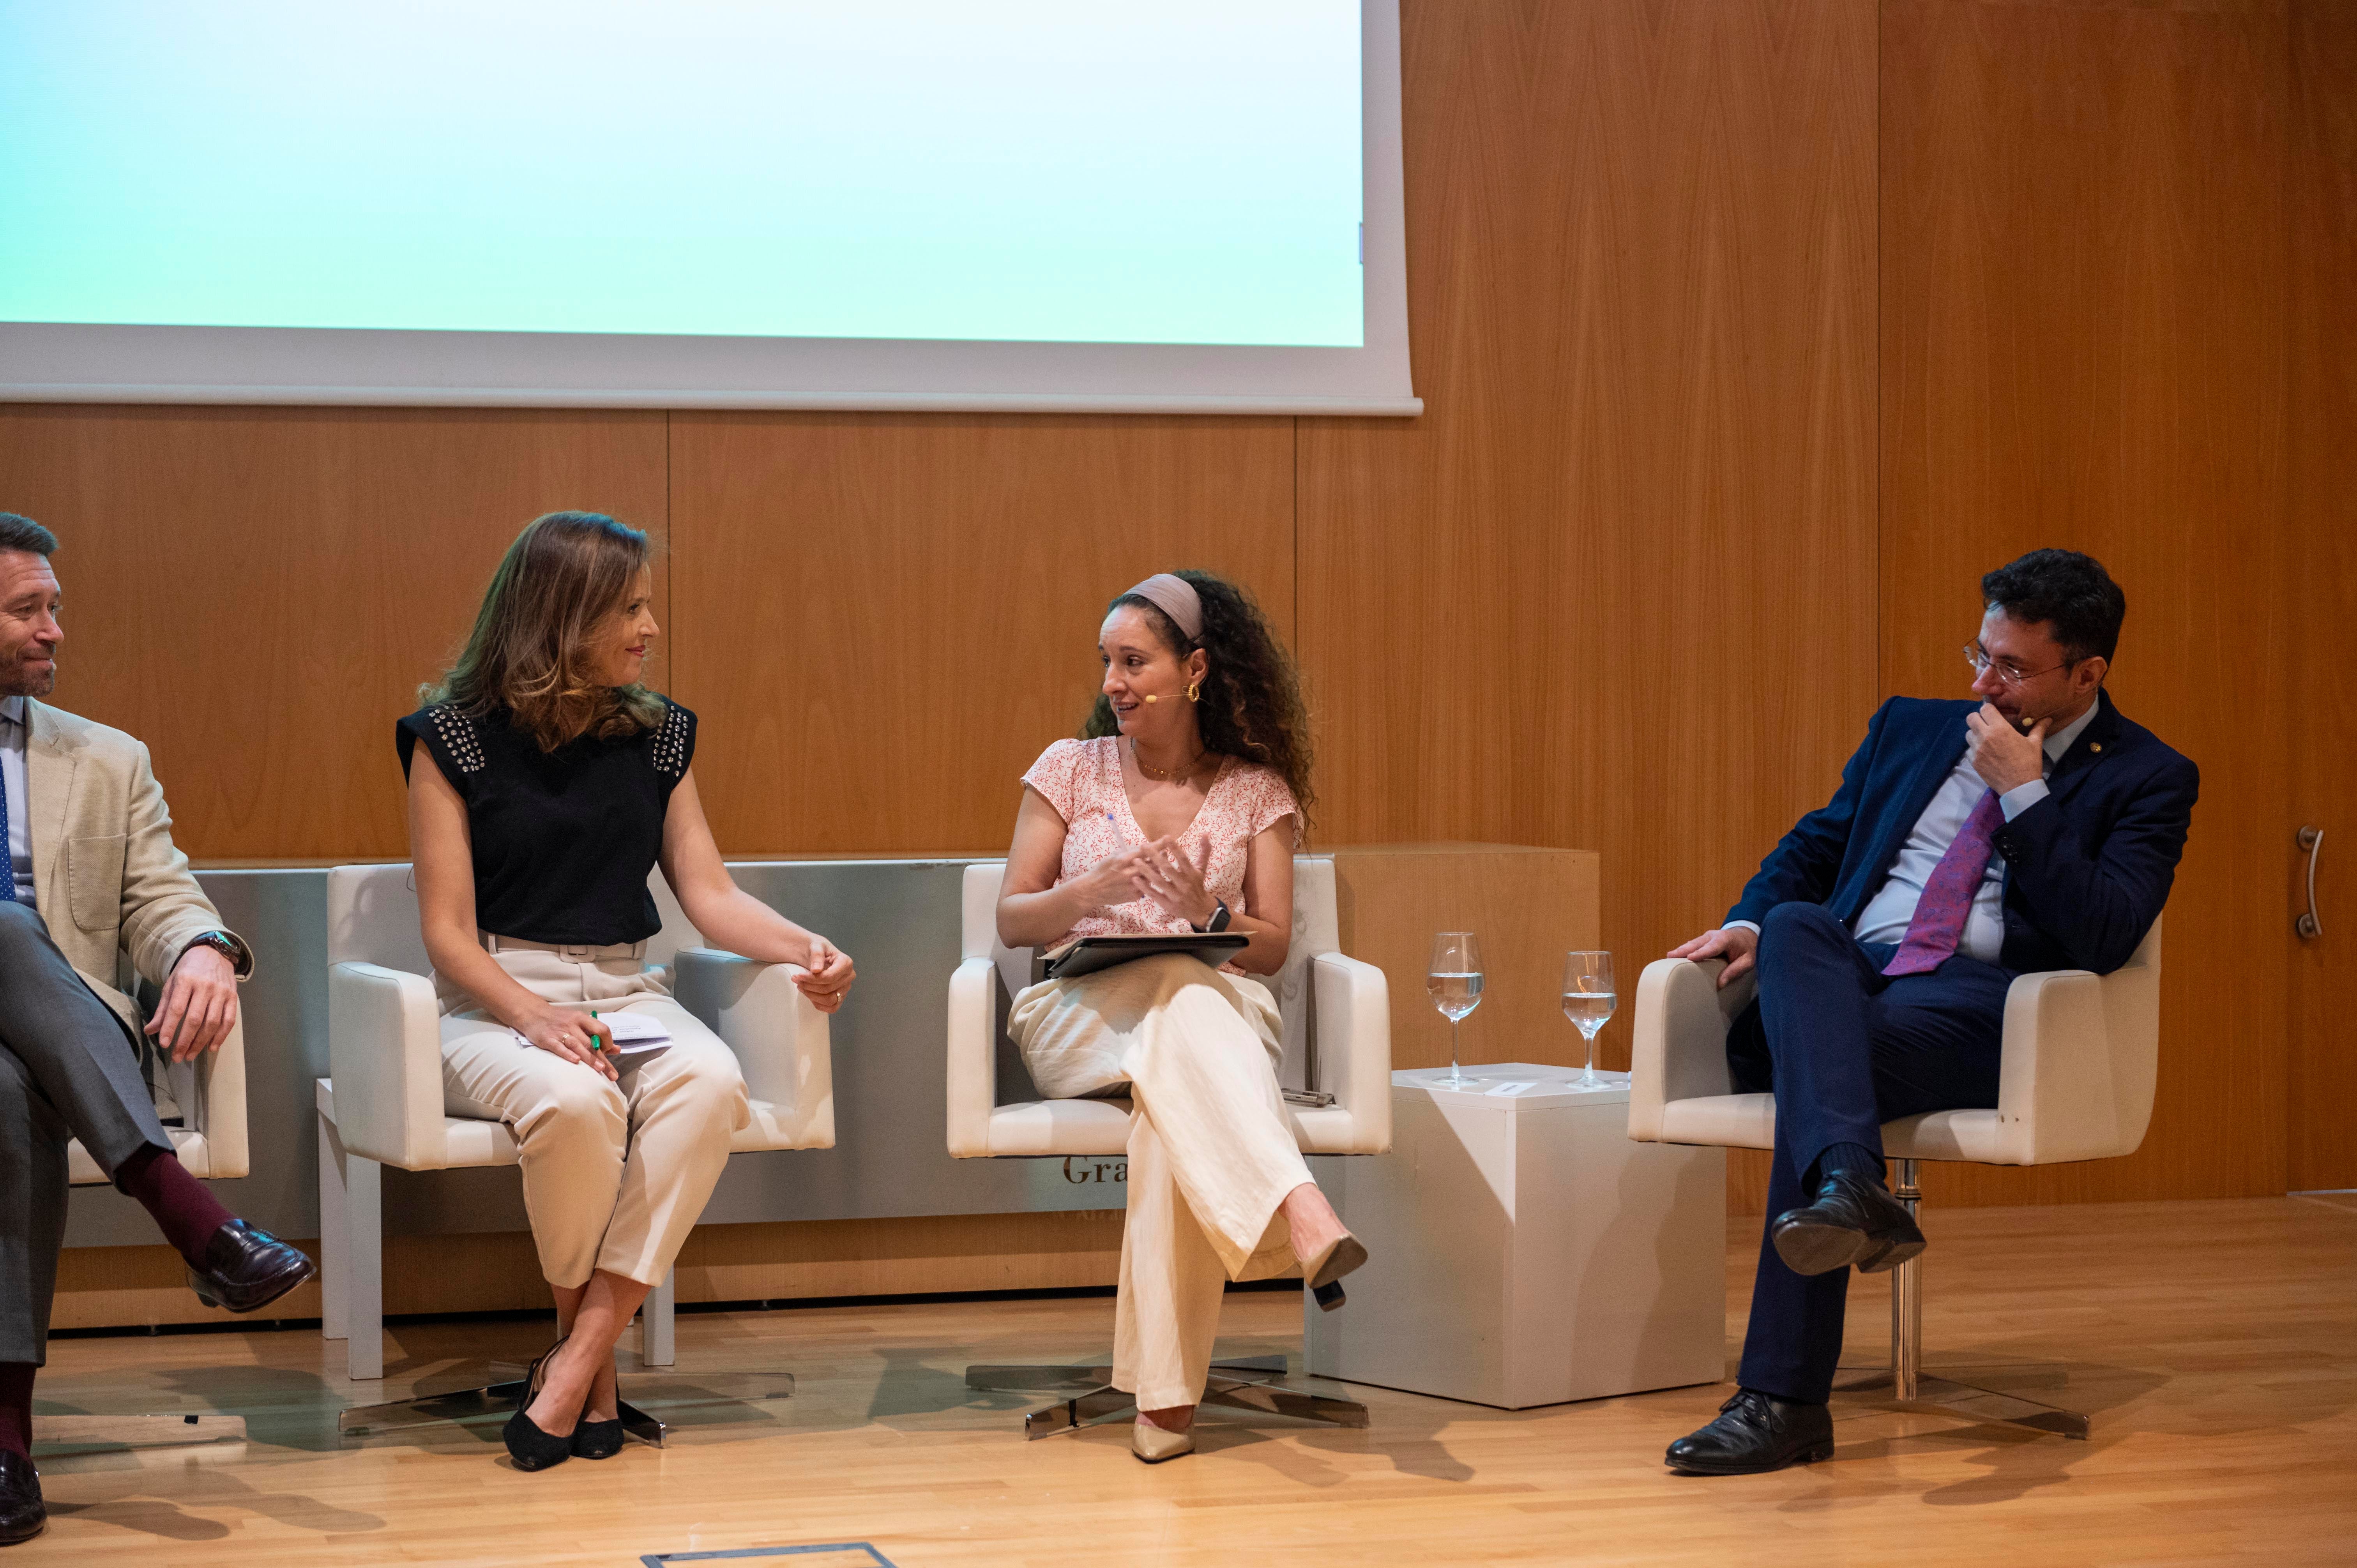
(1855, 1221)
(1754, 1433)
(23, 1515)
(245, 1269)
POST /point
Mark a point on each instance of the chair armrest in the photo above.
(1679, 1049)
(972, 1075)
(384, 1054)
(210, 1093)
(783, 1042)
(1354, 1046)
(2081, 1059)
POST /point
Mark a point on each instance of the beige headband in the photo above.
(1176, 597)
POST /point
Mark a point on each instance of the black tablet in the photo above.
(1088, 954)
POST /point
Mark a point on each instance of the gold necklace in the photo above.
(1186, 772)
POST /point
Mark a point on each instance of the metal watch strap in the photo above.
(222, 942)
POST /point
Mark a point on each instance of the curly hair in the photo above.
(1251, 705)
(566, 573)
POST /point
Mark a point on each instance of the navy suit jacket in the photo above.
(2087, 868)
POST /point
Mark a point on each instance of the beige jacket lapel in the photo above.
(51, 755)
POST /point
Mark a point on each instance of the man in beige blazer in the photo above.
(92, 875)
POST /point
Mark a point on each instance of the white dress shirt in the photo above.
(1886, 916)
(12, 774)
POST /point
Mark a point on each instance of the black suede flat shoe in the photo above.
(23, 1515)
(1855, 1221)
(531, 1447)
(1755, 1433)
(597, 1439)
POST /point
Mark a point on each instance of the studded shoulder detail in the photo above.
(459, 736)
(668, 751)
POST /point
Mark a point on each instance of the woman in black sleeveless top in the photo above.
(557, 783)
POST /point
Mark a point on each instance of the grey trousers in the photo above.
(69, 1069)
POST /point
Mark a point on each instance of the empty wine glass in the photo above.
(1454, 983)
(1588, 1000)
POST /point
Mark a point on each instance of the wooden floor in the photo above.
(2215, 1345)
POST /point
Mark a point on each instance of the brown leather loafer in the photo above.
(247, 1269)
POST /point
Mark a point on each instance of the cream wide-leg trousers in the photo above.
(615, 1173)
(1210, 1151)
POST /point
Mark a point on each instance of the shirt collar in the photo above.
(12, 711)
(2059, 742)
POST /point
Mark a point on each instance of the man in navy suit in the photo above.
(2036, 829)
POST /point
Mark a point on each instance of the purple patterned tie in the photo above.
(1939, 918)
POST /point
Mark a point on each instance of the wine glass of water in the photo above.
(1588, 1000)
(1454, 983)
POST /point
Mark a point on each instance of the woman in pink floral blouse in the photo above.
(1180, 809)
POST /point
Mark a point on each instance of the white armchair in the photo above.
(2081, 1055)
(1336, 1018)
(210, 1096)
(382, 1103)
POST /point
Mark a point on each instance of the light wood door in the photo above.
(2324, 597)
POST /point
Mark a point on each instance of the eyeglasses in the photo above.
(2007, 671)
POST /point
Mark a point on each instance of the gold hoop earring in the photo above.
(1194, 691)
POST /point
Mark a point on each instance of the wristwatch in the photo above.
(1220, 916)
(241, 957)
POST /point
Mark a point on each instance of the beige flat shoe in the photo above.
(1320, 1274)
(1154, 1443)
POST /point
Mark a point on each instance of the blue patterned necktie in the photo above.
(7, 883)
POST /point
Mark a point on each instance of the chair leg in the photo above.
(1249, 1384)
(1906, 1385)
(658, 1343)
(364, 1267)
(335, 1262)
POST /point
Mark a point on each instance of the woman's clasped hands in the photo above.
(1158, 872)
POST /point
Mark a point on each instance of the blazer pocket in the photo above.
(95, 881)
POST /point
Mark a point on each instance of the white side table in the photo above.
(1523, 1250)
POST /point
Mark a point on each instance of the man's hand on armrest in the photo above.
(199, 1003)
(1737, 944)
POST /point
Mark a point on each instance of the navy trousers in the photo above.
(1845, 1049)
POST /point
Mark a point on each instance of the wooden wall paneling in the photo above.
(882, 619)
(1529, 906)
(1615, 589)
(2323, 587)
(256, 592)
(2083, 344)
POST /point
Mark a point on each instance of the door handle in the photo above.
(2309, 927)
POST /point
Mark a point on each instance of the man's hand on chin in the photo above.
(2004, 757)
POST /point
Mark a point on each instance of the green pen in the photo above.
(602, 1045)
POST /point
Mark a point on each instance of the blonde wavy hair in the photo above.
(529, 653)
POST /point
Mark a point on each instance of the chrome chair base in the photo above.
(60, 1435)
(498, 1401)
(1245, 1382)
(1906, 1386)
(1974, 1403)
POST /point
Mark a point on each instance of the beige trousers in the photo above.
(615, 1173)
(1211, 1154)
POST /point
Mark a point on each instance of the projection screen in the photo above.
(1151, 206)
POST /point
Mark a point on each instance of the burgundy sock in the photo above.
(176, 1201)
(16, 1407)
